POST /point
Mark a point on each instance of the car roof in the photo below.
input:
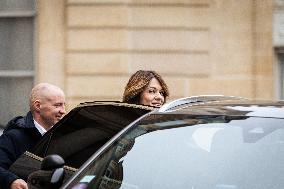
(225, 105)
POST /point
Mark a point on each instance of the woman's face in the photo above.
(153, 94)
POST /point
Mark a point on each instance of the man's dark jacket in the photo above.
(20, 135)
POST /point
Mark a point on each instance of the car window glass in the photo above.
(215, 151)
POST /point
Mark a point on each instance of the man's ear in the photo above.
(37, 105)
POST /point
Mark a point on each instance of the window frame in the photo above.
(18, 10)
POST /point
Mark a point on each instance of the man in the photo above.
(47, 107)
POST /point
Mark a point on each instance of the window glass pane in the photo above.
(281, 79)
(12, 5)
(199, 152)
(281, 60)
(14, 95)
(16, 44)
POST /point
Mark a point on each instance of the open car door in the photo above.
(80, 134)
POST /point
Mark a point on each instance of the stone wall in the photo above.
(91, 47)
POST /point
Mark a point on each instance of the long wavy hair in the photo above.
(137, 83)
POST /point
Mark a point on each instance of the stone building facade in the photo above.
(91, 47)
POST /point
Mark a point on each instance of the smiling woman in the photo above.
(146, 88)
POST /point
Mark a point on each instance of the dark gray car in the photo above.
(193, 143)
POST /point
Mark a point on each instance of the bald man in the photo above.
(47, 107)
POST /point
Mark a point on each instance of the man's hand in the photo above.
(19, 184)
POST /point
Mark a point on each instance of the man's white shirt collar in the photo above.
(39, 128)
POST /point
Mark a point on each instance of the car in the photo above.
(198, 142)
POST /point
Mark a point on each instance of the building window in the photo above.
(16, 56)
(280, 57)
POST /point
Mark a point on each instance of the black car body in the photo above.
(193, 143)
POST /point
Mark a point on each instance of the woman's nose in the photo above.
(159, 96)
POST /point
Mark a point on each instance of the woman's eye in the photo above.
(162, 93)
(151, 91)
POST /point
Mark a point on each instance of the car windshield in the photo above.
(195, 152)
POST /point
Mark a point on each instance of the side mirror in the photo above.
(56, 163)
(51, 174)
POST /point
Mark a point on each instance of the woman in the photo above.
(146, 88)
